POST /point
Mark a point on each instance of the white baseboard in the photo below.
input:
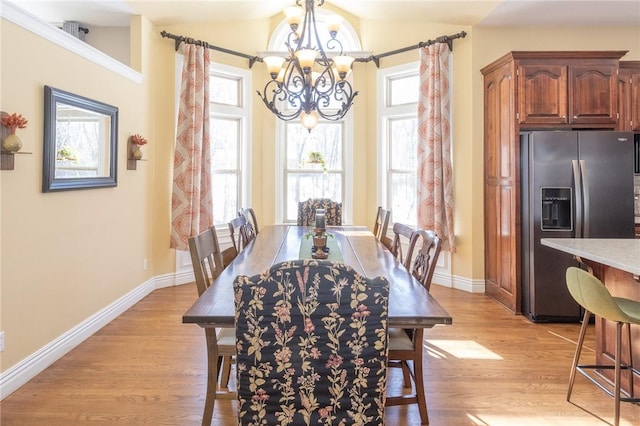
(34, 364)
(459, 283)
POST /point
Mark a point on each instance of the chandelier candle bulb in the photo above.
(294, 16)
(333, 24)
(309, 120)
(343, 65)
(306, 57)
(274, 65)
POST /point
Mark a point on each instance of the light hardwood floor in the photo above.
(146, 367)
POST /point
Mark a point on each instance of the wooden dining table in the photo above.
(409, 305)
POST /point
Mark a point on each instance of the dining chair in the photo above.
(312, 345)
(423, 264)
(206, 259)
(381, 225)
(250, 215)
(307, 211)
(593, 296)
(406, 344)
(401, 237)
(238, 239)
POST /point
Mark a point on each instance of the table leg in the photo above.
(212, 375)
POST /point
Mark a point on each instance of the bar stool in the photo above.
(594, 297)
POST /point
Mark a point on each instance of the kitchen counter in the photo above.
(623, 254)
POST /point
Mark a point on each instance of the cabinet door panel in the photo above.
(594, 91)
(634, 102)
(542, 91)
(501, 260)
(624, 101)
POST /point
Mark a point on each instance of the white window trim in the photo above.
(408, 110)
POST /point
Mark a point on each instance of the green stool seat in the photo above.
(594, 297)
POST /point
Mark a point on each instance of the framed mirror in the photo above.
(80, 142)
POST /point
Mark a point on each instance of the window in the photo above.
(314, 164)
(399, 140)
(229, 135)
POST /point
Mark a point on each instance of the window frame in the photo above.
(242, 113)
(347, 170)
(386, 114)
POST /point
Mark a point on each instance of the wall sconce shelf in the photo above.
(132, 162)
(7, 159)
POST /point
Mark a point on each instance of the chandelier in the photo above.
(308, 83)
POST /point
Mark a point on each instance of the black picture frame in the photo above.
(50, 181)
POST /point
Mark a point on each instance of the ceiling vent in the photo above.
(75, 29)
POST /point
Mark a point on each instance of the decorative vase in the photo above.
(12, 143)
(137, 154)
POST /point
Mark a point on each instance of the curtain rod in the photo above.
(375, 58)
(179, 39)
(442, 39)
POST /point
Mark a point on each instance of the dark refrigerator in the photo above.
(574, 184)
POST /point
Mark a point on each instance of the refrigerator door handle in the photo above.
(585, 198)
(577, 202)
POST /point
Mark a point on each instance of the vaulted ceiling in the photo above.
(456, 12)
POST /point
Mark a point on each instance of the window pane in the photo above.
(225, 137)
(403, 90)
(225, 200)
(301, 186)
(326, 139)
(403, 198)
(404, 141)
(225, 90)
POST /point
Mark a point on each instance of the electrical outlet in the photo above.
(1, 341)
(145, 264)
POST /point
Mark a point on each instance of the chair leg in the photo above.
(576, 356)
(406, 374)
(616, 415)
(630, 363)
(226, 371)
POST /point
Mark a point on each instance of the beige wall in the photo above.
(64, 256)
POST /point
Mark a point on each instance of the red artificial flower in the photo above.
(14, 121)
(138, 140)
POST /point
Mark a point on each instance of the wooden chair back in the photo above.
(307, 211)
(250, 215)
(238, 239)
(424, 264)
(312, 328)
(401, 235)
(206, 258)
(381, 224)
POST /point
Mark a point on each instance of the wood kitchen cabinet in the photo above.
(526, 91)
(629, 96)
(567, 89)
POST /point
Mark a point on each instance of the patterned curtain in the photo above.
(191, 201)
(435, 174)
